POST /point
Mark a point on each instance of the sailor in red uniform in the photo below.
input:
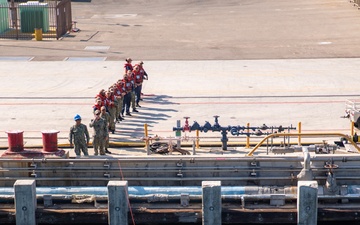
(101, 95)
(144, 75)
(138, 79)
(97, 105)
(128, 85)
(128, 65)
(110, 105)
(119, 92)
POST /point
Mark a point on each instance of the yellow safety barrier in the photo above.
(347, 137)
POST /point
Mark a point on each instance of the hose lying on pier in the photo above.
(164, 148)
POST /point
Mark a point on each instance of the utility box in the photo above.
(34, 15)
(4, 16)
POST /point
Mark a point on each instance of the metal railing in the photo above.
(346, 137)
(19, 20)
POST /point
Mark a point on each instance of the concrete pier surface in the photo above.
(202, 30)
(271, 92)
(258, 62)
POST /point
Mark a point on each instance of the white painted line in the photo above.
(85, 59)
(112, 16)
(325, 43)
(97, 48)
(11, 58)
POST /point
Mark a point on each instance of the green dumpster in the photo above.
(34, 15)
(4, 16)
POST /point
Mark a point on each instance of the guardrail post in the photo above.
(178, 134)
(248, 136)
(299, 131)
(147, 146)
(307, 202)
(118, 202)
(25, 202)
(211, 203)
(197, 139)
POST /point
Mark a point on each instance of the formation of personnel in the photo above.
(110, 107)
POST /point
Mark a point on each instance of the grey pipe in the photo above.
(147, 190)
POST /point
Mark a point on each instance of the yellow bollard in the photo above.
(352, 129)
(38, 34)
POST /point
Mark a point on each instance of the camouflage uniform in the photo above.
(78, 134)
(133, 104)
(111, 123)
(100, 134)
(119, 100)
(105, 116)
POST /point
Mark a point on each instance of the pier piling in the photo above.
(25, 202)
(118, 202)
(307, 203)
(211, 202)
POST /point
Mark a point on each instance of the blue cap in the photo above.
(77, 117)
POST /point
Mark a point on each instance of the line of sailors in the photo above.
(122, 95)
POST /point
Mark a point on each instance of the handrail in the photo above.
(302, 134)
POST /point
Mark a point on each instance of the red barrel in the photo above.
(50, 140)
(16, 140)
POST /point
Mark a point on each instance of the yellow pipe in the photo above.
(299, 131)
(352, 128)
(146, 135)
(349, 139)
(197, 139)
(248, 136)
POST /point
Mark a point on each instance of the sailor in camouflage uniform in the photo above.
(100, 134)
(80, 135)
